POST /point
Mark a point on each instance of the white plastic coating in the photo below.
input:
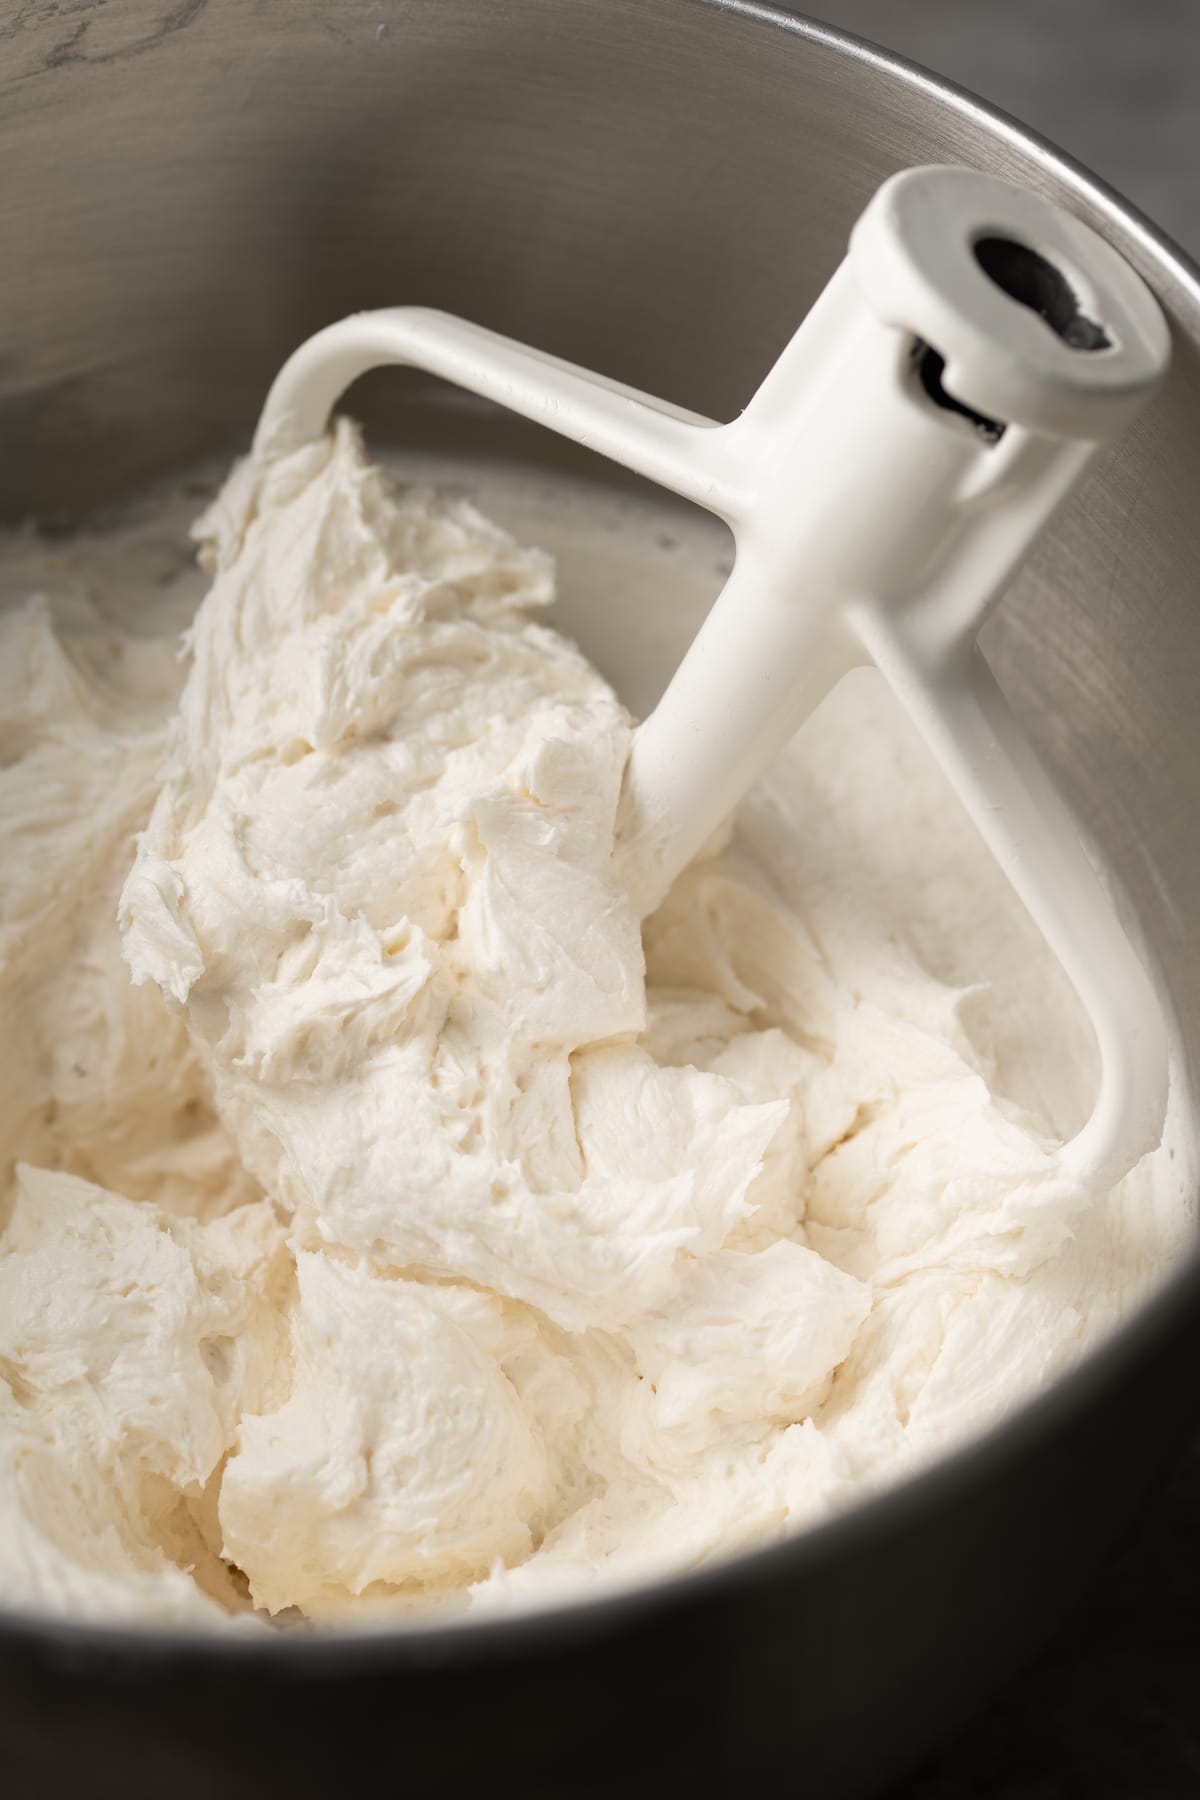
(883, 484)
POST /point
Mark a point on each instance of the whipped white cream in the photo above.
(405, 1224)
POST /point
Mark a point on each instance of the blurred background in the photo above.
(1112, 1709)
(1116, 83)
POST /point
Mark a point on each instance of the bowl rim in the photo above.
(348, 1651)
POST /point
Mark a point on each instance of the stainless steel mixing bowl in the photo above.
(657, 188)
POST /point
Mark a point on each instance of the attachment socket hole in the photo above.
(930, 365)
(1032, 281)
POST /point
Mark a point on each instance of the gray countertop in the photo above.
(1116, 83)
(1111, 1711)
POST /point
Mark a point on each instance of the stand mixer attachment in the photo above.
(935, 407)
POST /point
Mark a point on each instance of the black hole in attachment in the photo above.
(1031, 281)
(929, 369)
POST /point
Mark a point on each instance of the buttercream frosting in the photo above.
(393, 1218)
